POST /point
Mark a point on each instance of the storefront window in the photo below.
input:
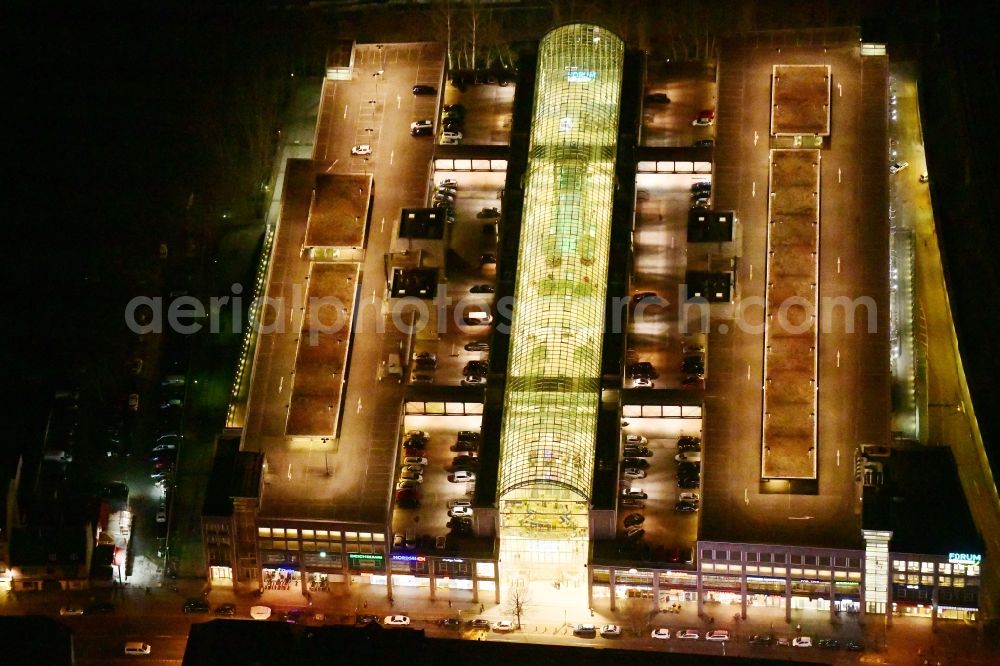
(780, 571)
(485, 570)
(307, 534)
(278, 532)
(309, 546)
(292, 534)
(280, 545)
(351, 536)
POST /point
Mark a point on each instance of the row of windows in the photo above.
(782, 558)
(943, 581)
(911, 566)
(944, 596)
(825, 574)
(333, 535)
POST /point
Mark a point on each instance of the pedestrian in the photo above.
(366, 603)
(449, 603)
(481, 608)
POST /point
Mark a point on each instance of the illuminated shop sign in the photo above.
(451, 559)
(363, 556)
(409, 558)
(964, 558)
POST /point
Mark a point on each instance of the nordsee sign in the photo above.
(964, 558)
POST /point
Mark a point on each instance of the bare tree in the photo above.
(636, 614)
(517, 600)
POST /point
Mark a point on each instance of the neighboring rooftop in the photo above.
(281, 643)
(710, 226)
(922, 503)
(36, 639)
(789, 421)
(800, 100)
(234, 473)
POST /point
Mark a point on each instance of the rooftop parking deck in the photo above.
(338, 211)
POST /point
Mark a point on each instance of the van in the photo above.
(174, 380)
(137, 647)
(393, 367)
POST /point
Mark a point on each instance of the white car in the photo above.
(460, 511)
(457, 136)
(396, 621)
(459, 502)
(473, 380)
(689, 497)
(634, 473)
(642, 382)
(717, 635)
(802, 641)
(70, 611)
(688, 456)
(161, 516)
(260, 612)
(420, 124)
(410, 461)
(362, 149)
(896, 167)
(461, 476)
(662, 633)
(503, 626)
(635, 440)
(611, 630)
(409, 475)
(688, 634)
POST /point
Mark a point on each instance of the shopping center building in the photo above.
(799, 472)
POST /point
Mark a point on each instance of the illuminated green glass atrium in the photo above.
(553, 378)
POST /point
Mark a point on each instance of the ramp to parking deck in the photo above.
(790, 338)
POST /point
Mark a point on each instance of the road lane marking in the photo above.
(838, 457)
(840, 90)
(398, 101)
(281, 384)
(748, 372)
(755, 137)
(751, 272)
(381, 226)
(392, 155)
(345, 111)
(753, 190)
(359, 406)
(838, 175)
(838, 358)
(838, 264)
(289, 471)
(746, 496)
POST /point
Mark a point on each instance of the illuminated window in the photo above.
(307, 534)
(944, 581)
(350, 536)
(926, 567)
(898, 565)
(280, 545)
(365, 536)
(913, 566)
(278, 532)
(292, 534)
(264, 532)
(378, 536)
(944, 567)
(321, 534)
(958, 569)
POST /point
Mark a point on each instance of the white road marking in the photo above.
(398, 101)
(755, 137)
(281, 384)
(753, 190)
(838, 457)
(840, 90)
(345, 111)
(748, 372)
(838, 358)
(289, 471)
(838, 175)
(746, 496)
(392, 154)
(751, 272)
(359, 407)
(838, 264)
(381, 226)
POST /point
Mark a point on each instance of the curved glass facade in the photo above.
(551, 401)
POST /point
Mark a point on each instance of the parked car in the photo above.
(704, 143)
(896, 167)
(460, 511)
(760, 639)
(635, 439)
(611, 631)
(473, 380)
(365, 619)
(634, 473)
(688, 634)
(450, 623)
(585, 631)
(488, 213)
(855, 646)
(503, 626)
(410, 475)
(478, 345)
(657, 98)
(634, 519)
(685, 507)
(421, 124)
(688, 442)
(227, 610)
(636, 493)
(637, 452)
(196, 606)
(70, 611)
(635, 532)
(461, 476)
(361, 149)
(828, 643)
(476, 368)
(422, 89)
(468, 436)
(717, 635)
(802, 641)
(396, 621)
(688, 456)
(482, 289)
(640, 463)
(660, 633)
